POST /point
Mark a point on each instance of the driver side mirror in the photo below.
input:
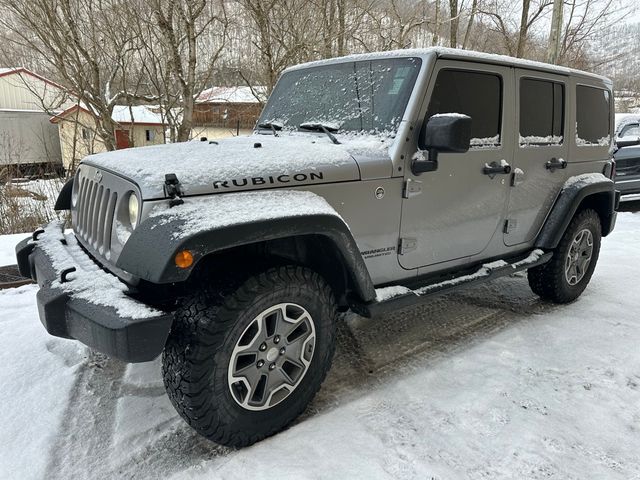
(445, 132)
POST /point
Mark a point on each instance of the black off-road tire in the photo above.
(549, 280)
(206, 330)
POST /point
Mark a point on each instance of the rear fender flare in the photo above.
(598, 193)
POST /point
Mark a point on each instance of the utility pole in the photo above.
(554, 34)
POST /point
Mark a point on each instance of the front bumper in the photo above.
(100, 327)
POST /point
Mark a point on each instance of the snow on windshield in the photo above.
(365, 96)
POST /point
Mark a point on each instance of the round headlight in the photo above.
(133, 210)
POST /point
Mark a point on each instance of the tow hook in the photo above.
(64, 274)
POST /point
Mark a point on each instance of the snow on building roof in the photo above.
(237, 94)
(140, 114)
(121, 114)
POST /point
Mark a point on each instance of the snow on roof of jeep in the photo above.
(453, 53)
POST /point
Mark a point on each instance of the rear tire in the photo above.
(240, 366)
(567, 274)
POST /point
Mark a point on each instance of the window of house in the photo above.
(593, 110)
(149, 135)
(541, 112)
(86, 134)
(478, 95)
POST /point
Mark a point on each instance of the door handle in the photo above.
(494, 168)
(556, 163)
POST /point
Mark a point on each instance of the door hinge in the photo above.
(411, 188)
(510, 225)
(406, 245)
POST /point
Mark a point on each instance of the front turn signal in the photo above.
(184, 259)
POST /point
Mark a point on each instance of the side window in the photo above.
(592, 116)
(476, 94)
(541, 112)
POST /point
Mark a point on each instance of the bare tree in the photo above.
(472, 16)
(435, 38)
(86, 43)
(179, 33)
(453, 23)
(585, 22)
(556, 31)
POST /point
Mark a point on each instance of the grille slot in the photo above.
(95, 211)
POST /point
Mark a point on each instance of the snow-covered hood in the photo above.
(243, 163)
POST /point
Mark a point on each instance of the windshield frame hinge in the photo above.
(173, 189)
(411, 188)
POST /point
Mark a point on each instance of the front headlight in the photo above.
(133, 210)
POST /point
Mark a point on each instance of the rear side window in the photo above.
(478, 95)
(592, 116)
(541, 112)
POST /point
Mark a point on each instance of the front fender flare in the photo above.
(150, 251)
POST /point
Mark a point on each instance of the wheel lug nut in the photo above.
(260, 363)
(263, 347)
(272, 366)
(276, 339)
(282, 351)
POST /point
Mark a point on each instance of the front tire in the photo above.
(567, 274)
(241, 366)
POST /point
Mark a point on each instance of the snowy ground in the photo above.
(486, 383)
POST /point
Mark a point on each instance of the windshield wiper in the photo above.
(321, 127)
(273, 125)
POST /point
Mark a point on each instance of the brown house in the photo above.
(227, 111)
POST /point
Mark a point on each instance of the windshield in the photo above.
(365, 96)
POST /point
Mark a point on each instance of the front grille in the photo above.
(96, 206)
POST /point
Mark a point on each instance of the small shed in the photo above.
(225, 111)
(137, 126)
(29, 143)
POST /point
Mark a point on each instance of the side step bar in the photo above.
(400, 297)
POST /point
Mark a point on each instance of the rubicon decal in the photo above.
(270, 180)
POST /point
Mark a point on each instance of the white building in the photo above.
(27, 138)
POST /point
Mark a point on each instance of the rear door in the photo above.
(455, 211)
(539, 164)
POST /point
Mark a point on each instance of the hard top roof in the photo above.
(457, 54)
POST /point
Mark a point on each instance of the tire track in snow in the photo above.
(84, 437)
(85, 442)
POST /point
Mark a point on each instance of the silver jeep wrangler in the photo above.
(370, 183)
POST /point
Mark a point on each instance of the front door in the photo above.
(122, 139)
(541, 154)
(455, 211)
